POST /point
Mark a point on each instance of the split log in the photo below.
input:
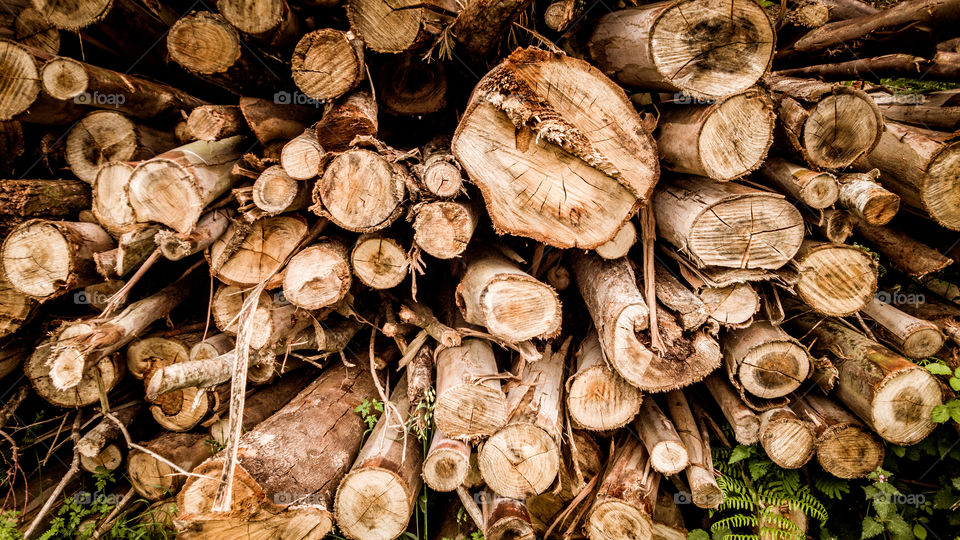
(835, 279)
(211, 226)
(745, 423)
(732, 305)
(215, 122)
(327, 63)
(597, 397)
(889, 393)
(351, 116)
(174, 187)
(470, 403)
(705, 49)
(270, 22)
(246, 256)
(276, 192)
(942, 67)
(834, 225)
(505, 518)
(690, 310)
(318, 276)
(726, 224)
(921, 167)
(765, 360)
(45, 259)
(624, 503)
(276, 120)
(440, 172)
(377, 497)
(379, 261)
(704, 490)
(911, 336)
(16, 308)
(901, 250)
(361, 190)
(446, 464)
(668, 454)
(444, 228)
(409, 86)
(103, 136)
(788, 441)
(816, 189)
(864, 197)
(935, 110)
(68, 79)
(318, 422)
(845, 447)
(510, 303)
(829, 125)
(620, 244)
(153, 479)
(301, 156)
(528, 186)
(523, 458)
(43, 198)
(695, 139)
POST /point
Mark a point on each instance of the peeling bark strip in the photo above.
(705, 48)
(578, 162)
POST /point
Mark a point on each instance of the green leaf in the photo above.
(871, 528)
(740, 453)
(956, 372)
(759, 468)
(955, 384)
(920, 531)
(698, 534)
(898, 528)
(939, 369)
(939, 414)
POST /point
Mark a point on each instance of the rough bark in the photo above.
(845, 447)
(835, 279)
(936, 110)
(903, 251)
(215, 122)
(353, 115)
(943, 66)
(43, 198)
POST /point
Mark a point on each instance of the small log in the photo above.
(911, 336)
(301, 156)
(765, 360)
(94, 441)
(942, 67)
(446, 464)
(227, 301)
(903, 251)
(245, 256)
(527, 186)
(695, 139)
(440, 173)
(733, 305)
(597, 397)
(668, 454)
(153, 479)
(211, 226)
(787, 440)
(386, 27)
(834, 225)
(470, 403)
(690, 310)
(103, 136)
(276, 120)
(835, 279)
(143, 353)
(377, 497)
(444, 228)
(379, 261)
(816, 189)
(505, 518)
(46, 259)
(360, 174)
(667, 520)
(726, 224)
(21, 96)
(480, 25)
(270, 22)
(845, 447)
(327, 63)
(510, 303)
(745, 423)
(683, 46)
(934, 110)
(523, 458)
(889, 393)
(409, 86)
(704, 491)
(863, 197)
(627, 495)
(215, 122)
(828, 125)
(212, 347)
(133, 249)
(318, 276)
(351, 116)
(276, 192)
(16, 308)
(43, 198)
(109, 458)
(941, 313)
(620, 244)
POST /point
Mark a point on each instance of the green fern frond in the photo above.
(735, 521)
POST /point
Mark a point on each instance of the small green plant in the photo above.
(214, 445)
(950, 408)
(883, 516)
(8, 525)
(370, 412)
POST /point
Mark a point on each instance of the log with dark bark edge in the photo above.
(318, 422)
(696, 139)
(704, 48)
(68, 79)
(667, 451)
(439, 172)
(667, 520)
(387, 27)
(828, 125)
(214, 122)
(302, 155)
(704, 491)
(45, 259)
(275, 120)
(470, 403)
(245, 256)
(523, 458)
(597, 397)
(16, 308)
(319, 275)
(944, 314)
(681, 301)
(262, 405)
(943, 66)
(904, 252)
(379, 261)
(505, 518)
(864, 197)
(103, 136)
(270, 22)
(845, 447)
(409, 86)
(43, 198)
(510, 303)
(745, 423)
(275, 192)
(835, 279)
(832, 224)
(174, 187)
(580, 171)
(481, 23)
(765, 360)
(93, 441)
(109, 459)
(351, 116)
(921, 167)
(625, 500)
(153, 479)
(444, 228)
(936, 110)
(788, 440)
(911, 336)
(360, 174)
(582, 461)
(726, 224)
(620, 244)
(447, 463)
(889, 393)
(21, 96)
(327, 63)
(814, 188)
(377, 497)
(212, 225)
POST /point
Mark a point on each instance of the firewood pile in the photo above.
(541, 255)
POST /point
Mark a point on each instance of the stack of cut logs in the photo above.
(315, 234)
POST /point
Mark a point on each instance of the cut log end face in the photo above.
(840, 129)
(849, 451)
(261, 252)
(940, 190)
(599, 399)
(614, 518)
(98, 138)
(774, 369)
(731, 305)
(64, 78)
(317, 277)
(518, 308)
(444, 228)
(325, 64)
(389, 27)
(372, 504)
(379, 262)
(519, 461)
(152, 478)
(111, 203)
(444, 469)
(73, 15)
(747, 121)
(204, 43)
(669, 457)
(923, 343)
(162, 190)
(903, 404)
(789, 443)
(360, 191)
(20, 85)
(469, 411)
(252, 17)
(837, 280)
(820, 191)
(36, 260)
